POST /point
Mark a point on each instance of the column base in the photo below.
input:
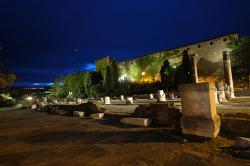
(201, 126)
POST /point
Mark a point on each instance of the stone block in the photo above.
(33, 106)
(242, 142)
(144, 122)
(199, 114)
(63, 112)
(79, 114)
(97, 116)
(161, 114)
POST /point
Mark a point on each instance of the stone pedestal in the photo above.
(161, 96)
(199, 114)
(129, 101)
(151, 96)
(107, 100)
(228, 73)
(122, 97)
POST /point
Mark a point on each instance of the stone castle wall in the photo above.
(209, 58)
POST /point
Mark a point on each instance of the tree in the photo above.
(6, 77)
(167, 76)
(107, 82)
(96, 84)
(184, 71)
(57, 90)
(114, 72)
(240, 54)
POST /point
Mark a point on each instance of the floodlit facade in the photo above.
(147, 68)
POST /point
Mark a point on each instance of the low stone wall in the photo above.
(235, 125)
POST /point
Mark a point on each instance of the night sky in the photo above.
(38, 38)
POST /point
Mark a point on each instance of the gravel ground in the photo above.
(36, 138)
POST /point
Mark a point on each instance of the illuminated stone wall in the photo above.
(101, 64)
(209, 53)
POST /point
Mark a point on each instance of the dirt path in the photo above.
(35, 138)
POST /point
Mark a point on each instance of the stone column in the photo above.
(151, 96)
(228, 72)
(122, 97)
(194, 68)
(129, 101)
(199, 114)
(107, 100)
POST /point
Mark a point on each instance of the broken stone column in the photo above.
(45, 100)
(78, 101)
(194, 68)
(136, 121)
(97, 116)
(221, 92)
(151, 96)
(122, 97)
(227, 92)
(171, 96)
(228, 73)
(199, 114)
(55, 101)
(129, 101)
(161, 96)
(79, 114)
(107, 100)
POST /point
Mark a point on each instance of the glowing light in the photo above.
(29, 98)
(122, 78)
(174, 66)
(143, 73)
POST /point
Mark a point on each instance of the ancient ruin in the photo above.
(199, 115)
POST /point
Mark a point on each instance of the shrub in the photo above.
(7, 101)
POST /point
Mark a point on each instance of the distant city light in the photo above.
(90, 67)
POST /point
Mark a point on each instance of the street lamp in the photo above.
(143, 74)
